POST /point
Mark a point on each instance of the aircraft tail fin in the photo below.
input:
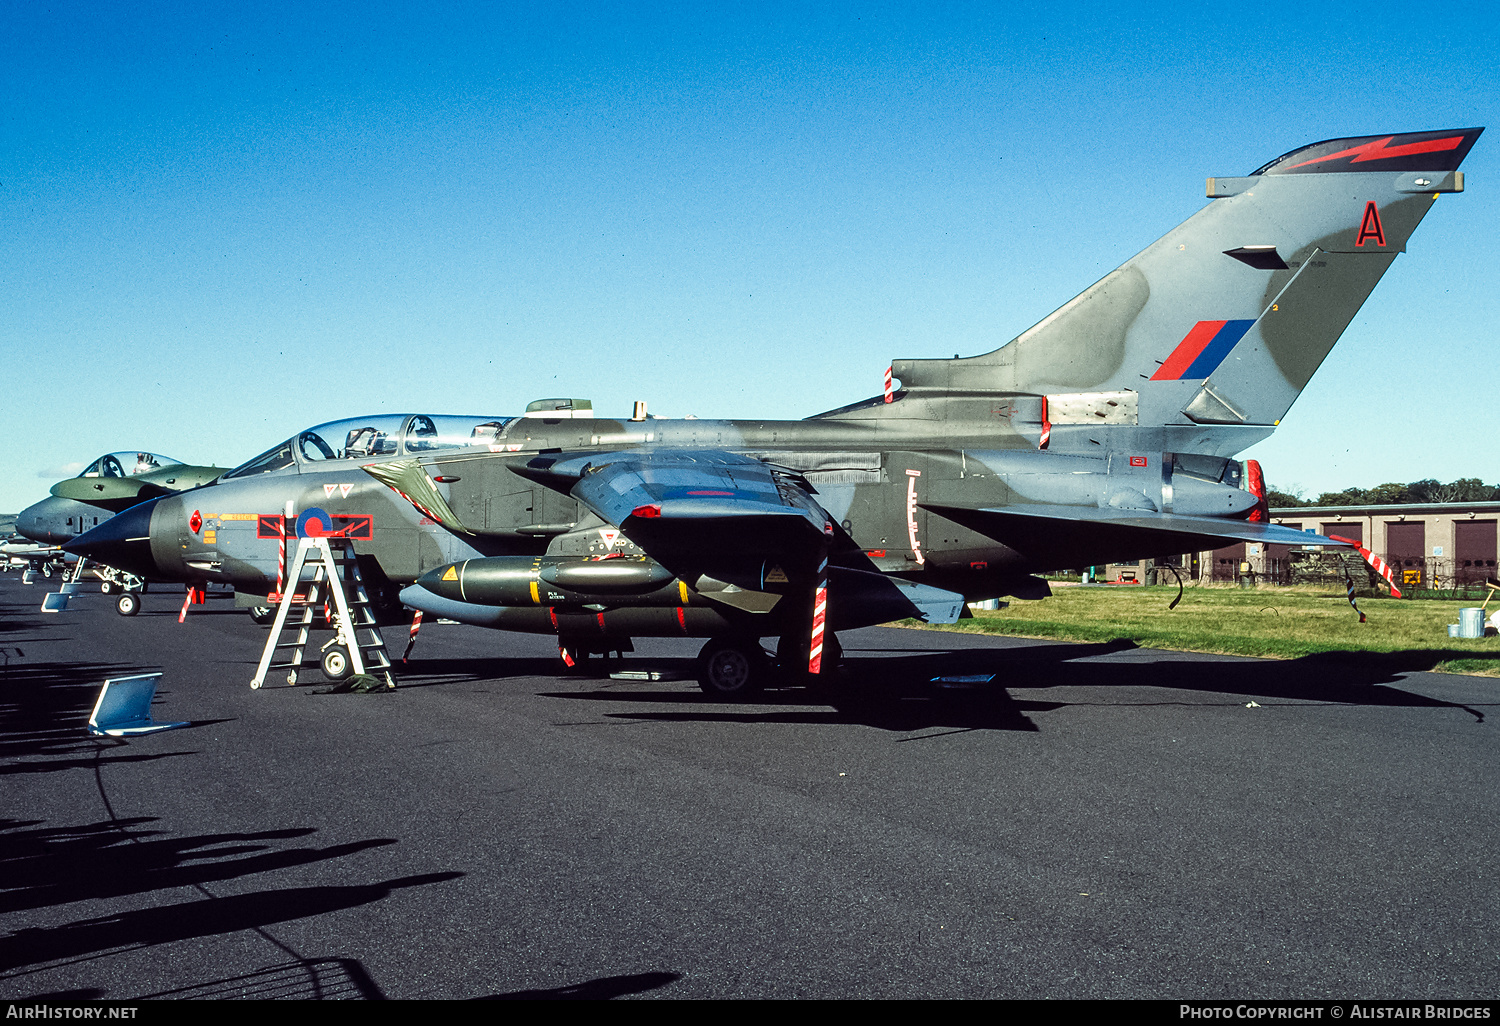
(1204, 339)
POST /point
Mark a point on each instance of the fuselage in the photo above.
(879, 477)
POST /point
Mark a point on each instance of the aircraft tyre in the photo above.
(107, 588)
(732, 668)
(263, 615)
(128, 604)
(336, 663)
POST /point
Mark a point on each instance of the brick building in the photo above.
(1428, 545)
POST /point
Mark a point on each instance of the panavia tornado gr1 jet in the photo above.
(1104, 433)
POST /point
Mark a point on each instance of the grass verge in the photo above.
(1284, 623)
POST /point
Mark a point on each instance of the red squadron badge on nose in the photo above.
(195, 521)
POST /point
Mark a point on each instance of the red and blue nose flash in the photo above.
(1202, 350)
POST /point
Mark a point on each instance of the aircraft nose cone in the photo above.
(29, 524)
(123, 541)
(442, 582)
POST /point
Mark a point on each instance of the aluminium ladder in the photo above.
(335, 578)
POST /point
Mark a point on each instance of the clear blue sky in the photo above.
(222, 226)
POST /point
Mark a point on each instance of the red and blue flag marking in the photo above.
(1202, 350)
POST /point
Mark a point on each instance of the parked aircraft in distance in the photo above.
(113, 482)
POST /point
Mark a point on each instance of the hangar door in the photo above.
(1406, 551)
(1474, 551)
(1226, 562)
(1344, 529)
(1278, 566)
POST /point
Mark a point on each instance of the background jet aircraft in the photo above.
(18, 552)
(113, 482)
(1103, 433)
(30, 557)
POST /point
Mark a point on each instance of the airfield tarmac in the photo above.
(1101, 822)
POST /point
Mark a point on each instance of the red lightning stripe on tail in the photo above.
(1378, 150)
(1375, 561)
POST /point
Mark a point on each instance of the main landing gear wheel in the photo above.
(732, 668)
(263, 614)
(336, 663)
(128, 604)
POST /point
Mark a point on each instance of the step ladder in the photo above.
(330, 570)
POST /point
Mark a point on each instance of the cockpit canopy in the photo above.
(388, 434)
(128, 464)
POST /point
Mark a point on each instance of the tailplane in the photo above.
(1205, 338)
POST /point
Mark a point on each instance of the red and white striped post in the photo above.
(281, 552)
(888, 394)
(820, 612)
(411, 637)
(1375, 561)
(195, 596)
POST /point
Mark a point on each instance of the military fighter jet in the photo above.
(113, 482)
(1103, 433)
(31, 558)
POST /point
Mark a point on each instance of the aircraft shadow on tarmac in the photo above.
(602, 989)
(16, 624)
(425, 673)
(899, 693)
(44, 709)
(212, 916)
(46, 866)
(305, 979)
(1344, 678)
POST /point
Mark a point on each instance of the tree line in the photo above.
(1465, 489)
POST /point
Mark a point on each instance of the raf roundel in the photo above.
(314, 523)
